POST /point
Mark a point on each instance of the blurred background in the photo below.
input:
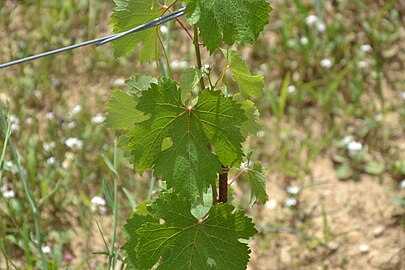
(333, 137)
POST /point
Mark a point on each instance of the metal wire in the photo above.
(145, 26)
(102, 40)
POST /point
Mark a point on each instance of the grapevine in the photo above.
(190, 133)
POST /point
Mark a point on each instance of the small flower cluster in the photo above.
(49, 146)
(326, 63)
(352, 145)
(98, 204)
(313, 20)
(10, 166)
(7, 192)
(46, 249)
(15, 123)
(51, 161)
(76, 109)
(292, 191)
(98, 119)
(74, 143)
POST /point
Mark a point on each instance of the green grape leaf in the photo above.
(188, 165)
(231, 21)
(131, 13)
(189, 80)
(139, 83)
(252, 125)
(249, 86)
(184, 242)
(256, 178)
(121, 112)
(140, 216)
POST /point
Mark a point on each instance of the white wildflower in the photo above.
(15, 127)
(50, 116)
(366, 48)
(102, 209)
(363, 248)
(326, 63)
(354, 146)
(46, 249)
(9, 194)
(97, 200)
(71, 125)
(29, 121)
(271, 204)
(163, 29)
(320, 26)
(15, 123)
(120, 82)
(74, 143)
(290, 202)
(403, 95)
(311, 20)
(76, 109)
(48, 147)
(402, 183)
(98, 204)
(362, 64)
(378, 117)
(261, 134)
(291, 89)
(51, 161)
(346, 140)
(98, 119)
(9, 164)
(293, 190)
(304, 40)
(14, 119)
(67, 162)
(6, 192)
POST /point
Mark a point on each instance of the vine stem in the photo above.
(202, 87)
(198, 54)
(177, 19)
(223, 185)
(237, 176)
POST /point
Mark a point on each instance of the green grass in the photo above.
(308, 109)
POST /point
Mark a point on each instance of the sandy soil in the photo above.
(364, 231)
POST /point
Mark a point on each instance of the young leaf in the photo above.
(252, 125)
(140, 216)
(256, 178)
(185, 242)
(188, 84)
(249, 86)
(188, 165)
(231, 21)
(128, 14)
(139, 83)
(121, 111)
